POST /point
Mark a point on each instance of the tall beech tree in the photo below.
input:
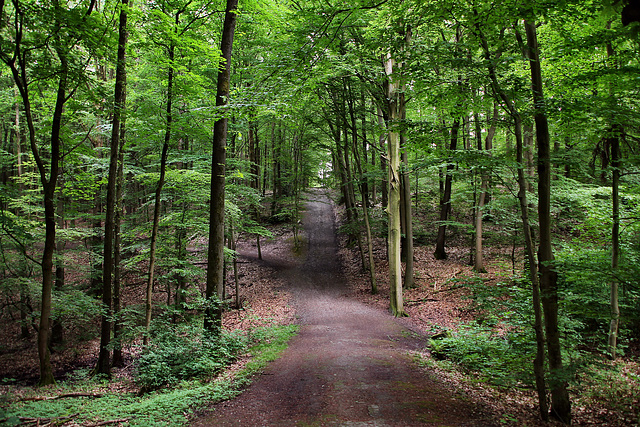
(393, 207)
(511, 108)
(103, 364)
(215, 253)
(560, 403)
(21, 51)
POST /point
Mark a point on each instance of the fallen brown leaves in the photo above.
(437, 304)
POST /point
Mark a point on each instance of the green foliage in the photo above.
(166, 407)
(74, 307)
(503, 359)
(500, 344)
(616, 384)
(184, 351)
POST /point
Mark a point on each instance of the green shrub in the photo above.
(182, 352)
(502, 359)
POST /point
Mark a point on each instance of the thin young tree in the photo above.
(560, 403)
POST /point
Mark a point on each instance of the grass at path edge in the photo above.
(166, 407)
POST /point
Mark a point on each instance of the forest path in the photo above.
(349, 365)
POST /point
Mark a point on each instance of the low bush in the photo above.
(180, 352)
(502, 359)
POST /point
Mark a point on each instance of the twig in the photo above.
(418, 301)
(47, 421)
(61, 396)
(104, 423)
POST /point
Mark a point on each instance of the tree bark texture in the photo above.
(445, 204)
(393, 208)
(215, 253)
(103, 365)
(538, 362)
(560, 403)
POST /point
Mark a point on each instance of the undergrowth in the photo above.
(498, 348)
(167, 406)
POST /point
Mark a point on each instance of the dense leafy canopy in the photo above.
(309, 105)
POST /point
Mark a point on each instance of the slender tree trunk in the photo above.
(254, 155)
(393, 208)
(233, 247)
(57, 329)
(365, 212)
(157, 200)
(616, 133)
(479, 259)
(49, 187)
(18, 67)
(528, 143)
(181, 255)
(405, 199)
(538, 362)
(383, 161)
(354, 147)
(118, 357)
(103, 365)
(445, 204)
(560, 404)
(275, 159)
(25, 330)
(215, 253)
(615, 240)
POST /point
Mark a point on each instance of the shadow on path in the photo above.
(349, 365)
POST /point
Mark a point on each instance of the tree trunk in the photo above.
(181, 256)
(118, 358)
(254, 155)
(405, 185)
(560, 404)
(215, 253)
(25, 330)
(479, 259)
(103, 365)
(233, 247)
(18, 67)
(275, 159)
(354, 147)
(445, 204)
(528, 147)
(538, 362)
(393, 208)
(49, 187)
(616, 132)
(57, 329)
(365, 212)
(383, 161)
(156, 206)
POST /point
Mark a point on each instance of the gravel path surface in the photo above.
(349, 365)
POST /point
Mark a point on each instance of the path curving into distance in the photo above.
(349, 365)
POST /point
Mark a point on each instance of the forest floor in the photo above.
(352, 363)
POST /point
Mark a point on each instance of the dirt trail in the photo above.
(349, 364)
